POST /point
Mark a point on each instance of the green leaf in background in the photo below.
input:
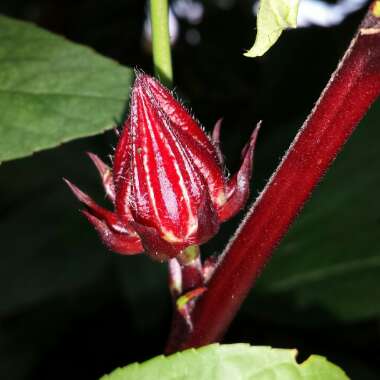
(330, 260)
(41, 255)
(226, 362)
(53, 91)
(272, 18)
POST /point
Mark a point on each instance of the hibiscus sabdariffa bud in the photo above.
(167, 183)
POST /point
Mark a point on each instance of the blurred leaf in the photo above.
(47, 249)
(236, 361)
(273, 17)
(143, 283)
(50, 258)
(53, 91)
(330, 260)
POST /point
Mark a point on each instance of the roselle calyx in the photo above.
(167, 183)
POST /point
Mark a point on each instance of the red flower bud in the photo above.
(167, 183)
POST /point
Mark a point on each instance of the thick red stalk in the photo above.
(346, 99)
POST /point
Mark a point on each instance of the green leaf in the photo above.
(234, 361)
(330, 260)
(53, 91)
(273, 17)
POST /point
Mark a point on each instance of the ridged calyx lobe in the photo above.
(167, 182)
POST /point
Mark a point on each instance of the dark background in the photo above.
(69, 308)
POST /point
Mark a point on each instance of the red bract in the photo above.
(167, 182)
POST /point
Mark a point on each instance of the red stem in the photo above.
(347, 97)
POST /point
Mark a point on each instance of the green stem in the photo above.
(159, 13)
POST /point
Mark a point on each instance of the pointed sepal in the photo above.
(123, 244)
(105, 173)
(99, 211)
(238, 187)
(216, 140)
